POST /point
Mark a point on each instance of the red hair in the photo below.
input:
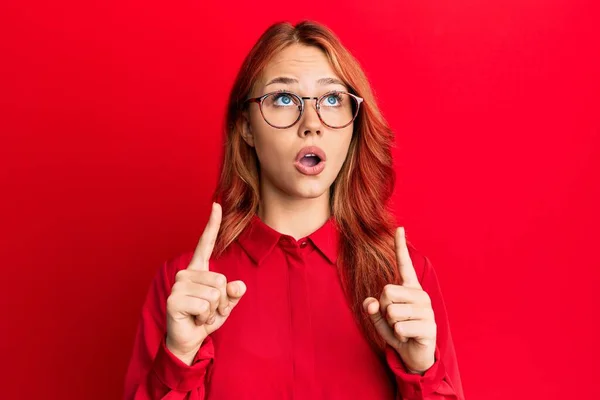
(359, 195)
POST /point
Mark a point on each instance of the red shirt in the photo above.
(292, 335)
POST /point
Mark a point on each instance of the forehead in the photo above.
(305, 63)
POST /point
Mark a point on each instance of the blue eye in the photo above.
(333, 100)
(285, 99)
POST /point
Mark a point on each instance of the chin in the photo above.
(299, 186)
(312, 190)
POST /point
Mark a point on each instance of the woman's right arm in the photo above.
(154, 372)
(185, 304)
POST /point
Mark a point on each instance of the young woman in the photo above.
(301, 286)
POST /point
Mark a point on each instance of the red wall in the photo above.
(110, 124)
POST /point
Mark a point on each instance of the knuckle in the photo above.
(203, 308)
(181, 275)
(398, 328)
(426, 298)
(178, 287)
(172, 303)
(390, 321)
(214, 295)
(391, 311)
(220, 279)
(198, 320)
(388, 289)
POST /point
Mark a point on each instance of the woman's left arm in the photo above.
(412, 319)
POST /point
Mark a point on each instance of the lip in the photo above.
(311, 149)
(315, 170)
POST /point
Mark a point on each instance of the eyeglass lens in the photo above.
(283, 109)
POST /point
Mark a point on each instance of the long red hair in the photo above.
(358, 197)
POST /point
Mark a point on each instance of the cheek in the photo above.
(342, 144)
(271, 148)
(265, 137)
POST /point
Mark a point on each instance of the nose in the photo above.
(310, 122)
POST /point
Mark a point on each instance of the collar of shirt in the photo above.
(258, 239)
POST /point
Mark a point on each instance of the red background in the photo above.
(111, 120)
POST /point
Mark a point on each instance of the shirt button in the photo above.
(303, 244)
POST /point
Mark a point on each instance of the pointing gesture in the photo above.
(202, 255)
(405, 265)
(403, 315)
(200, 300)
(207, 241)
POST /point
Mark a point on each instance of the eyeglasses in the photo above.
(282, 109)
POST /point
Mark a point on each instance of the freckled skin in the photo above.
(277, 148)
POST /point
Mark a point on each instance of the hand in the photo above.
(200, 300)
(403, 315)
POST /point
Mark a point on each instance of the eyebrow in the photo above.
(289, 81)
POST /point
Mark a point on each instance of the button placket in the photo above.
(301, 321)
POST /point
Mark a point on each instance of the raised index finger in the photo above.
(405, 265)
(207, 240)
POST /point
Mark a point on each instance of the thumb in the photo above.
(235, 291)
(371, 307)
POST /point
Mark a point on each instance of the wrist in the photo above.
(416, 372)
(419, 371)
(187, 357)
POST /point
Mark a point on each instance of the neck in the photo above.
(297, 217)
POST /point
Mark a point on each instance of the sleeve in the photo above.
(441, 381)
(153, 371)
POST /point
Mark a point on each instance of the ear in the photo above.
(246, 129)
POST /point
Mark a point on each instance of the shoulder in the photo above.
(421, 263)
(173, 265)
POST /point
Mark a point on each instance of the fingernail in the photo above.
(227, 310)
(237, 290)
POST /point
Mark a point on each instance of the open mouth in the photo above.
(310, 160)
